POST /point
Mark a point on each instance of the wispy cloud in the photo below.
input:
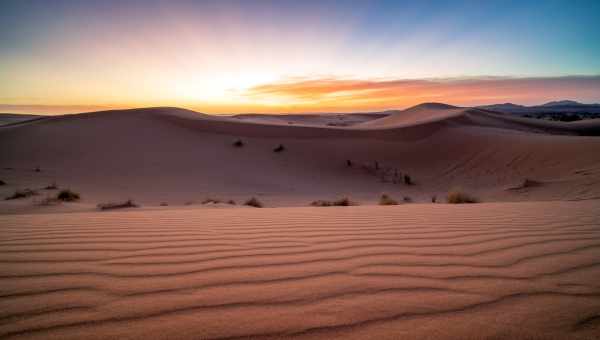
(347, 93)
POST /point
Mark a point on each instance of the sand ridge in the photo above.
(414, 271)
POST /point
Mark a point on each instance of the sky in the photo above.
(221, 57)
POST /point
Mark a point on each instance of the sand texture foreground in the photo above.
(484, 271)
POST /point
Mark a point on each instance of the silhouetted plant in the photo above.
(68, 196)
(407, 199)
(119, 205)
(2, 182)
(387, 200)
(456, 197)
(238, 143)
(37, 169)
(279, 148)
(408, 180)
(342, 202)
(254, 202)
(23, 193)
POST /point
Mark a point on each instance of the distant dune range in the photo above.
(175, 156)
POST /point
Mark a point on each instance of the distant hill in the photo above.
(554, 107)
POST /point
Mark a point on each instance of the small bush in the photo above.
(232, 202)
(433, 199)
(280, 148)
(254, 202)
(52, 186)
(68, 196)
(407, 199)
(238, 143)
(387, 200)
(458, 197)
(342, 202)
(24, 193)
(408, 180)
(37, 169)
(2, 182)
(164, 204)
(120, 205)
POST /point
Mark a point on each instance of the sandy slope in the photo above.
(487, 271)
(178, 156)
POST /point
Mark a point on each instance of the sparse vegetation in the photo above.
(387, 200)
(2, 182)
(342, 202)
(164, 204)
(21, 193)
(37, 169)
(119, 205)
(52, 186)
(279, 148)
(68, 196)
(408, 180)
(407, 199)
(216, 201)
(253, 202)
(238, 143)
(433, 199)
(457, 197)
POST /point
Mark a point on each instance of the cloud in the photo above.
(348, 93)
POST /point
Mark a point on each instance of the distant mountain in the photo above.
(554, 107)
(562, 103)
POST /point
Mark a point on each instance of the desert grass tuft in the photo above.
(253, 202)
(117, 205)
(21, 193)
(279, 148)
(458, 197)
(238, 143)
(68, 196)
(2, 182)
(342, 202)
(387, 200)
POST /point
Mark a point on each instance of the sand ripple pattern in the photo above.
(485, 271)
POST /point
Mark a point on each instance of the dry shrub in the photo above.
(342, 202)
(21, 193)
(254, 202)
(117, 205)
(458, 197)
(52, 186)
(68, 196)
(387, 200)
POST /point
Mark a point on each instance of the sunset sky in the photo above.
(294, 56)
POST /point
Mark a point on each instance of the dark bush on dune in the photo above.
(342, 202)
(408, 180)
(387, 200)
(2, 182)
(254, 202)
(68, 196)
(459, 197)
(279, 148)
(119, 205)
(238, 143)
(23, 193)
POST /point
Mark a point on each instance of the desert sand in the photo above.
(416, 271)
(522, 264)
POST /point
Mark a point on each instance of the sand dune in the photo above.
(509, 271)
(179, 156)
